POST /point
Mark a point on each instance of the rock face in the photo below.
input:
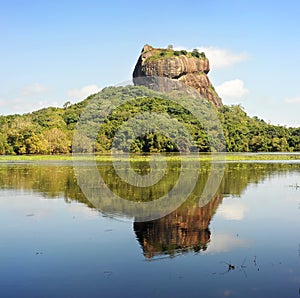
(179, 66)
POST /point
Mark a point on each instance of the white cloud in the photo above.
(84, 92)
(223, 242)
(293, 100)
(25, 106)
(232, 90)
(33, 89)
(219, 58)
(232, 210)
(22, 105)
(26, 100)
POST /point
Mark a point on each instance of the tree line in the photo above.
(50, 130)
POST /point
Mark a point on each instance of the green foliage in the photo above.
(195, 53)
(58, 141)
(4, 146)
(245, 134)
(67, 104)
(50, 131)
(169, 53)
(152, 141)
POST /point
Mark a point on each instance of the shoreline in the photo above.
(247, 156)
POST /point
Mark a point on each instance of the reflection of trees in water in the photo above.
(59, 179)
(52, 181)
(185, 229)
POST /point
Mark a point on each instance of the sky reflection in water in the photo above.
(243, 243)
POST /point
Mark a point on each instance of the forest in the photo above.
(50, 130)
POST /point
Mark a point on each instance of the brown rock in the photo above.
(185, 68)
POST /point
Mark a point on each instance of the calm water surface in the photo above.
(245, 242)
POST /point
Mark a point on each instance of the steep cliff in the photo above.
(190, 68)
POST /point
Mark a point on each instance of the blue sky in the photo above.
(57, 51)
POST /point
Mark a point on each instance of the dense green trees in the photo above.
(244, 133)
(50, 130)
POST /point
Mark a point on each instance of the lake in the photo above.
(57, 241)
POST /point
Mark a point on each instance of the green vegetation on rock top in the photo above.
(158, 54)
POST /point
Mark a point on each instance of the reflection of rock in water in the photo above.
(183, 230)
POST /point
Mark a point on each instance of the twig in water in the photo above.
(296, 185)
(229, 268)
(232, 267)
(255, 263)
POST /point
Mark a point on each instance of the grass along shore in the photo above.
(145, 157)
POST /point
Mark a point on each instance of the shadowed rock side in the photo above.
(178, 66)
(186, 229)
